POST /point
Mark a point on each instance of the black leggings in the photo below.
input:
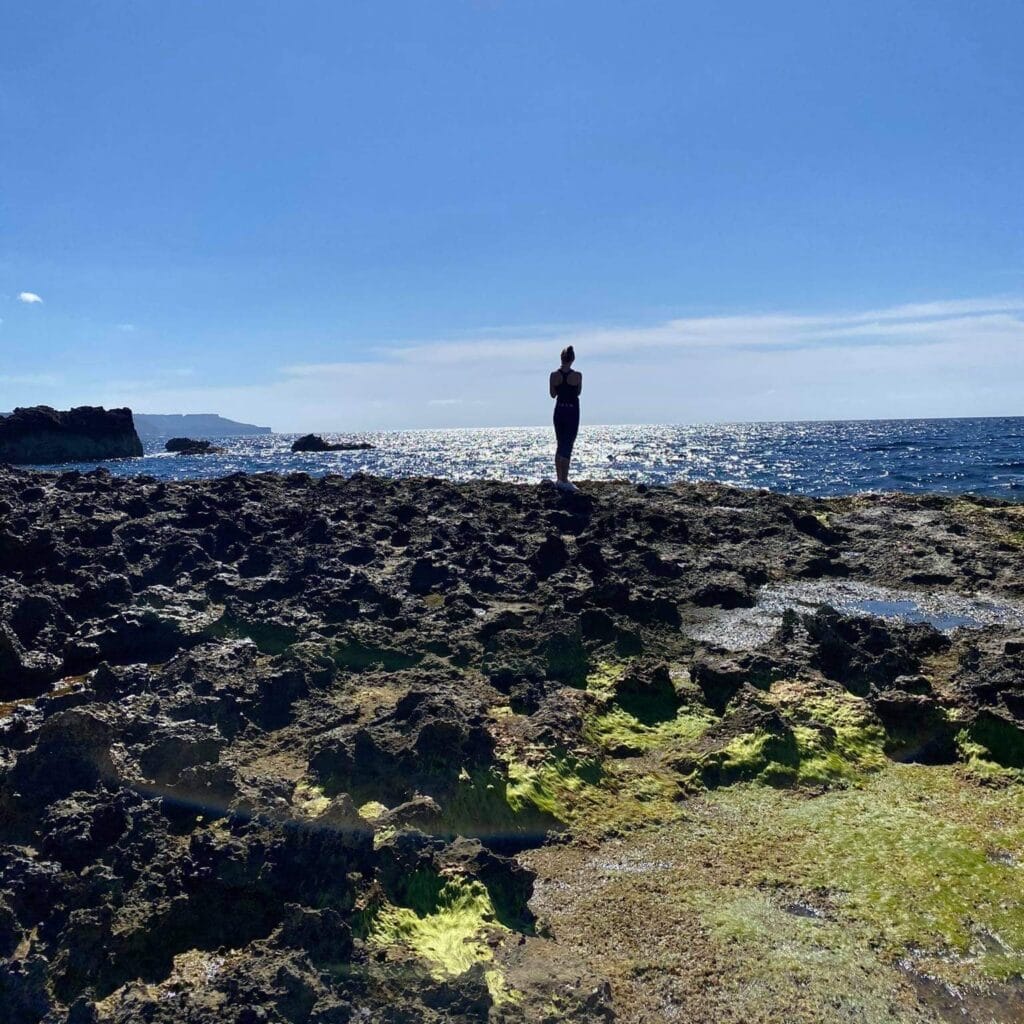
(567, 425)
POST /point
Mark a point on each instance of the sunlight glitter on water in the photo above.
(982, 456)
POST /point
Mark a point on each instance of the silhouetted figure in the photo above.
(566, 385)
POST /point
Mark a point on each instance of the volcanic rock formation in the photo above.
(305, 751)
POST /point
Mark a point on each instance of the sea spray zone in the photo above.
(313, 750)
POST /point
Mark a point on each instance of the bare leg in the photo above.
(561, 468)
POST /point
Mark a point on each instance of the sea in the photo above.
(982, 456)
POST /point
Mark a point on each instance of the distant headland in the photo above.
(197, 424)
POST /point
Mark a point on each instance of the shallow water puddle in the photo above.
(946, 611)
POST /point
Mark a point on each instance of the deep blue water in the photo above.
(982, 456)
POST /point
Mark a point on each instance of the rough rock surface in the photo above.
(42, 435)
(315, 443)
(284, 749)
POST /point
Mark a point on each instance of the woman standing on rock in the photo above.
(565, 386)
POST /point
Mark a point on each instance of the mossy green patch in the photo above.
(778, 953)
(604, 677)
(486, 803)
(619, 732)
(553, 786)
(830, 736)
(310, 799)
(445, 926)
(501, 992)
(597, 799)
(638, 716)
(372, 810)
(997, 739)
(979, 763)
(910, 858)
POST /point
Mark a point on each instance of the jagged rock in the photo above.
(550, 556)
(721, 676)
(860, 652)
(725, 590)
(420, 812)
(427, 574)
(322, 934)
(427, 738)
(72, 752)
(22, 672)
(177, 747)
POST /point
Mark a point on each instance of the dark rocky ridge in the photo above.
(205, 680)
(40, 435)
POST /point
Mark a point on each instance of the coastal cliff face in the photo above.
(293, 750)
(41, 435)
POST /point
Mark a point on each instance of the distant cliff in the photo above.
(41, 435)
(200, 424)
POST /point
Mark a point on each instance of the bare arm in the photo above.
(580, 375)
(552, 386)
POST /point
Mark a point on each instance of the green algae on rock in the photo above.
(445, 926)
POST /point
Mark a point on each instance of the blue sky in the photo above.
(331, 214)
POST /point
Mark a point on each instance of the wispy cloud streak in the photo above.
(915, 324)
(961, 357)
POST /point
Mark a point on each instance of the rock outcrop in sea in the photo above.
(315, 443)
(283, 749)
(191, 446)
(41, 435)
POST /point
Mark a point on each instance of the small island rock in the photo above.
(191, 446)
(315, 443)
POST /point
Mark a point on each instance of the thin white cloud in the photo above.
(30, 379)
(127, 328)
(957, 357)
(29, 297)
(917, 324)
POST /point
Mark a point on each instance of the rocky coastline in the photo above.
(285, 749)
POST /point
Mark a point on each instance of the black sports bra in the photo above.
(565, 392)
